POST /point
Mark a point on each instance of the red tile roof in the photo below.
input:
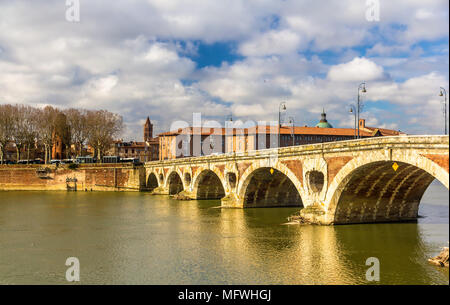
(385, 132)
(366, 132)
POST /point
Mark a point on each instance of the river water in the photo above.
(136, 238)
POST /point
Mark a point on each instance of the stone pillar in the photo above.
(231, 201)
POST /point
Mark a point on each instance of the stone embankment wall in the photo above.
(87, 177)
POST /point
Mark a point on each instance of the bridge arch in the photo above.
(269, 186)
(208, 184)
(174, 183)
(369, 189)
(152, 181)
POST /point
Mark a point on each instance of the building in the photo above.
(148, 130)
(148, 150)
(263, 137)
(61, 138)
(186, 142)
(10, 152)
(144, 151)
(58, 148)
(35, 152)
(323, 123)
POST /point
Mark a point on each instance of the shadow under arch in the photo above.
(208, 186)
(376, 192)
(174, 183)
(152, 182)
(269, 187)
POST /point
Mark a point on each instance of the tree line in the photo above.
(30, 127)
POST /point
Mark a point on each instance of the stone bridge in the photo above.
(368, 180)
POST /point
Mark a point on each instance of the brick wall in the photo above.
(98, 177)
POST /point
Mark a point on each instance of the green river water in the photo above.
(136, 238)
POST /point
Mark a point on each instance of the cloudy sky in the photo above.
(170, 58)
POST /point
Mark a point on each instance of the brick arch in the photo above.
(208, 184)
(368, 189)
(174, 182)
(152, 181)
(170, 172)
(285, 173)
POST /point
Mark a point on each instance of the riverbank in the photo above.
(86, 177)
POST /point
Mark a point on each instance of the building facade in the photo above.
(145, 151)
(61, 138)
(188, 142)
(191, 141)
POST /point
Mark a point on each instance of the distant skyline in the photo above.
(167, 59)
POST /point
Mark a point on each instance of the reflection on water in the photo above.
(137, 238)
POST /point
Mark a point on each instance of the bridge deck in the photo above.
(397, 142)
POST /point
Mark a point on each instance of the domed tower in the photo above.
(323, 121)
(148, 130)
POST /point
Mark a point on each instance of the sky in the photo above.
(167, 59)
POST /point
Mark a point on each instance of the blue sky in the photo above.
(168, 59)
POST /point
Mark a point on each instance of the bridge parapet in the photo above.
(320, 175)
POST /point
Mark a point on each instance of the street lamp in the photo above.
(362, 88)
(280, 108)
(291, 121)
(444, 94)
(353, 110)
(228, 137)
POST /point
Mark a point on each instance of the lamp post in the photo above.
(291, 121)
(353, 110)
(281, 107)
(362, 88)
(444, 94)
(229, 138)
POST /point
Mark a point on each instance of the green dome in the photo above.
(324, 125)
(323, 122)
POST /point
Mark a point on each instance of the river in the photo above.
(136, 238)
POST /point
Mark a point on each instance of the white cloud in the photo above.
(422, 90)
(257, 86)
(126, 56)
(104, 85)
(385, 50)
(359, 69)
(255, 110)
(271, 43)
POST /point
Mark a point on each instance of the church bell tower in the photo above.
(148, 130)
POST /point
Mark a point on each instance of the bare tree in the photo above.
(46, 129)
(103, 126)
(21, 123)
(30, 125)
(6, 129)
(79, 130)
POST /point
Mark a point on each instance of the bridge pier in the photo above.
(230, 201)
(358, 181)
(160, 191)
